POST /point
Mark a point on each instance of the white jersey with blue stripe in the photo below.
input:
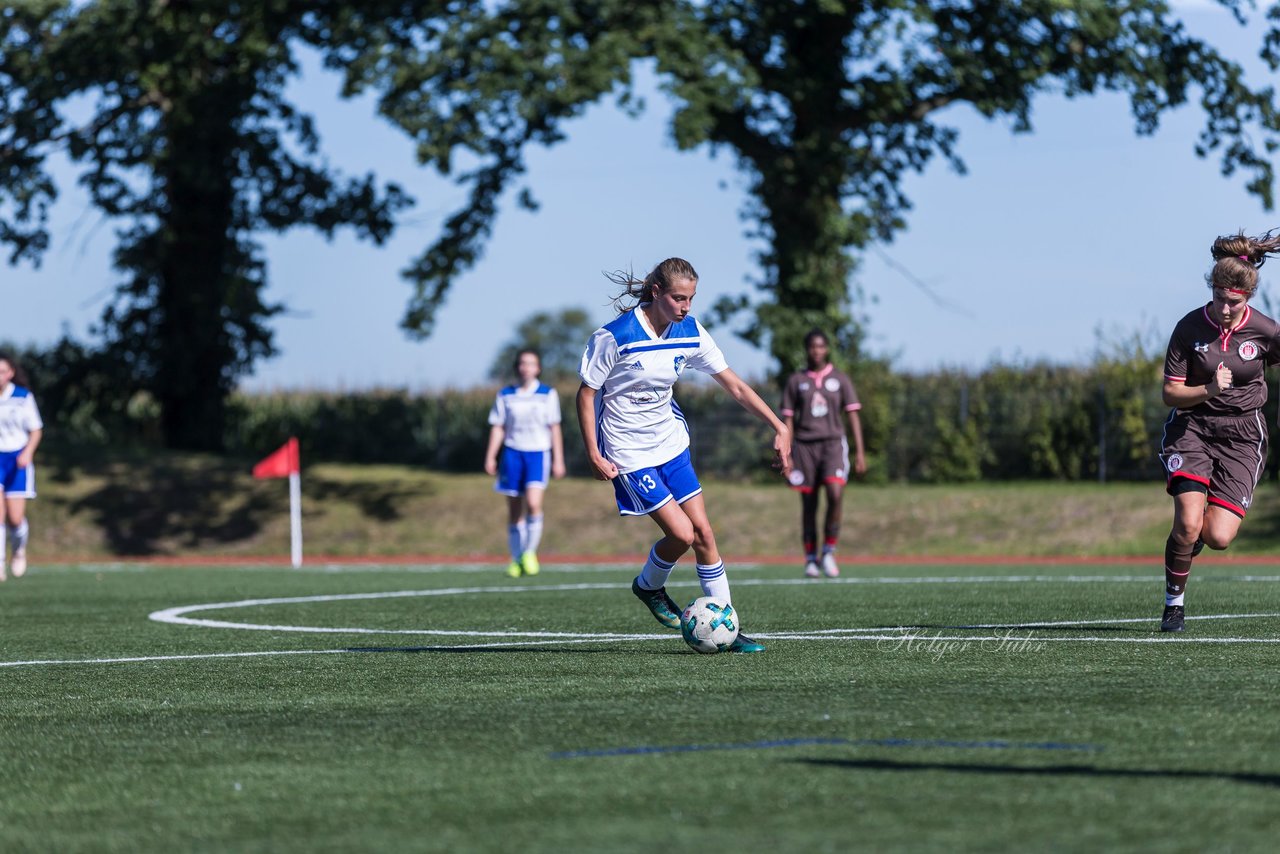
(526, 416)
(19, 416)
(638, 423)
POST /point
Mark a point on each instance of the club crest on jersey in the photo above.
(832, 384)
(1201, 348)
(679, 365)
(1248, 350)
(1174, 462)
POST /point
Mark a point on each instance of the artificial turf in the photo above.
(474, 712)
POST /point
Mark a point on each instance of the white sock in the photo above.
(4, 554)
(714, 582)
(1170, 599)
(655, 573)
(534, 527)
(19, 535)
(514, 537)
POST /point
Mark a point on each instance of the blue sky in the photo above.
(1053, 236)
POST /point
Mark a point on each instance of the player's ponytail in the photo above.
(636, 291)
(1237, 258)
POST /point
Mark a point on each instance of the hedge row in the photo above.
(1039, 421)
(1097, 422)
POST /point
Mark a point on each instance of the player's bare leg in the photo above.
(1220, 527)
(711, 574)
(650, 586)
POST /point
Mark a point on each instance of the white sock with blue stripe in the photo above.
(714, 582)
(19, 535)
(656, 572)
(534, 535)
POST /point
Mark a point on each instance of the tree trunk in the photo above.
(807, 273)
(196, 272)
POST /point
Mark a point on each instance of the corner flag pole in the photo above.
(285, 462)
(295, 518)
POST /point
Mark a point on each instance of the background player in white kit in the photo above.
(525, 425)
(20, 433)
(636, 435)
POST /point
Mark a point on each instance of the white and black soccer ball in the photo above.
(709, 625)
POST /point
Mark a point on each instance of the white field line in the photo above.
(340, 651)
(1011, 642)
(896, 639)
(1059, 623)
(897, 634)
(177, 615)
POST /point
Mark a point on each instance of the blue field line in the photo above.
(841, 742)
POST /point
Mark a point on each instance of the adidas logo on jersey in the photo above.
(634, 366)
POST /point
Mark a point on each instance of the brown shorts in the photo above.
(1225, 454)
(823, 461)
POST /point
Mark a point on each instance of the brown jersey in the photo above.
(817, 402)
(1199, 344)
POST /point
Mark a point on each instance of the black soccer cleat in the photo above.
(1173, 618)
(663, 608)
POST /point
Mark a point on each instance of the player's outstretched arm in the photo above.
(750, 401)
(600, 467)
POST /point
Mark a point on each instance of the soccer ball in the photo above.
(709, 625)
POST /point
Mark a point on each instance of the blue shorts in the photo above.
(642, 491)
(16, 482)
(519, 470)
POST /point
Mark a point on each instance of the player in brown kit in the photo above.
(814, 406)
(1215, 441)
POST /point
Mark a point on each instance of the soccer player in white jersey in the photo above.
(525, 425)
(20, 432)
(636, 435)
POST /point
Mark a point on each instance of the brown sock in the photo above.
(1177, 566)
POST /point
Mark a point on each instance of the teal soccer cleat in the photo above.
(742, 643)
(662, 607)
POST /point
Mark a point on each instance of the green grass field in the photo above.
(453, 709)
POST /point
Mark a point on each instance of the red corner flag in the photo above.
(280, 463)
